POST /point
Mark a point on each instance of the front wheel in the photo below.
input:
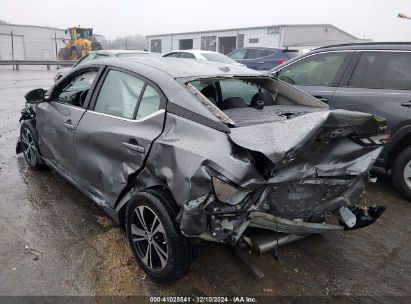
(401, 173)
(157, 243)
(29, 145)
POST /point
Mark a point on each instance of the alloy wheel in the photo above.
(407, 174)
(29, 147)
(149, 238)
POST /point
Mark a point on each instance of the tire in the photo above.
(401, 173)
(170, 251)
(63, 54)
(74, 55)
(29, 145)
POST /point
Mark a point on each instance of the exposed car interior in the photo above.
(75, 92)
(234, 93)
(255, 100)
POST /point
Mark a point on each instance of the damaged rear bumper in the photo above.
(307, 213)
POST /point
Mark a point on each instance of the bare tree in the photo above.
(134, 42)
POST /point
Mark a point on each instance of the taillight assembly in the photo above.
(380, 139)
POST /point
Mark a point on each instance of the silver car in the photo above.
(103, 54)
(202, 151)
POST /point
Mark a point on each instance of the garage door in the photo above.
(5, 47)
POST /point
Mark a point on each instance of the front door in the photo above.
(57, 120)
(114, 136)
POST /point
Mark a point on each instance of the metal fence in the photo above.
(48, 63)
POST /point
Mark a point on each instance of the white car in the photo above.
(103, 54)
(202, 55)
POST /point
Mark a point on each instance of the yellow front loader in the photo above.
(79, 42)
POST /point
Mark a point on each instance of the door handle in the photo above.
(406, 103)
(133, 146)
(323, 99)
(260, 62)
(68, 125)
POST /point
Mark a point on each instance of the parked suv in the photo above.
(260, 58)
(366, 77)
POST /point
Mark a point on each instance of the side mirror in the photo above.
(36, 96)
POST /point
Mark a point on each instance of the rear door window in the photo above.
(239, 54)
(258, 53)
(150, 102)
(382, 70)
(174, 54)
(316, 70)
(119, 94)
(186, 55)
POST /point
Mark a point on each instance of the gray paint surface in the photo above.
(300, 166)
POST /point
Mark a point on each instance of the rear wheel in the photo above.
(74, 55)
(401, 172)
(157, 243)
(29, 145)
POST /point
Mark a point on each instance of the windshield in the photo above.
(85, 34)
(136, 54)
(217, 57)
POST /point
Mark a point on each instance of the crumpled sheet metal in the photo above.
(276, 139)
(179, 157)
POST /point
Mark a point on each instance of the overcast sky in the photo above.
(363, 18)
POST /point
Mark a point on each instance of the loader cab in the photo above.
(76, 33)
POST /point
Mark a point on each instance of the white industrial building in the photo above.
(299, 36)
(29, 42)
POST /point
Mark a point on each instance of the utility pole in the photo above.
(12, 47)
(55, 44)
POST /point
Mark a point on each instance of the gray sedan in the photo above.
(202, 151)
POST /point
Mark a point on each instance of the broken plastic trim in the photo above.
(210, 106)
(364, 216)
(226, 193)
(375, 140)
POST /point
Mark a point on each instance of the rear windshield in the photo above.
(218, 57)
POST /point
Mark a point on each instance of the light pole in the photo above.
(403, 16)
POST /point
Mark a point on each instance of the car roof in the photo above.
(194, 51)
(170, 73)
(367, 46)
(115, 52)
(191, 68)
(262, 48)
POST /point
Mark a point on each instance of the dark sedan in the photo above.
(203, 150)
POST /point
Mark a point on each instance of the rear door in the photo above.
(317, 74)
(114, 136)
(57, 120)
(378, 82)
